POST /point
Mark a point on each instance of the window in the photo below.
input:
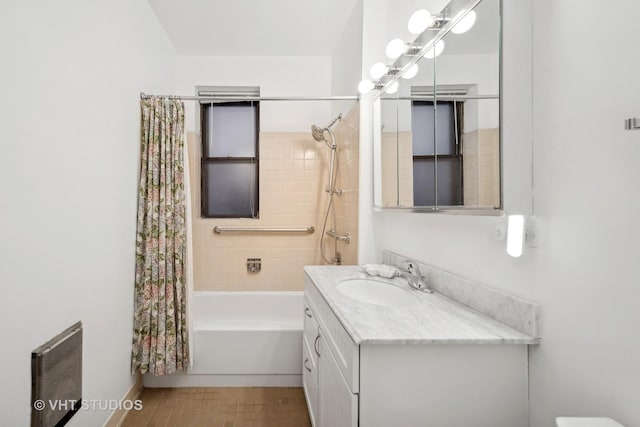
(438, 161)
(230, 159)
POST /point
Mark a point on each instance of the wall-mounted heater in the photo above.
(56, 378)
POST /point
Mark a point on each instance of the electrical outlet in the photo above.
(531, 238)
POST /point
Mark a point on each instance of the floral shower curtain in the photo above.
(160, 335)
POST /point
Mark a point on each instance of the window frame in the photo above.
(205, 160)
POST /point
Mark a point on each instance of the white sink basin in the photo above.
(377, 292)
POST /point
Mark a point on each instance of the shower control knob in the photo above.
(254, 265)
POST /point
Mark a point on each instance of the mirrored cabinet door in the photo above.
(440, 132)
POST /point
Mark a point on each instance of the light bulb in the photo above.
(465, 24)
(420, 21)
(395, 48)
(438, 48)
(411, 72)
(515, 235)
(393, 88)
(365, 86)
(378, 70)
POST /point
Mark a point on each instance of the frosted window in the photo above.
(231, 189)
(424, 115)
(230, 130)
(449, 184)
(230, 159)
(424, 186)
(429, 119)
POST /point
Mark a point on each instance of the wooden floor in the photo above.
(223, 407)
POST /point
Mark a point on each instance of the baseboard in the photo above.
(117, 417)
(195, 380)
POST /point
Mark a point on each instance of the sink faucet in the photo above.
(414, 277)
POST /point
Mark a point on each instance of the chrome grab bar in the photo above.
(343, 238)
(218, 229)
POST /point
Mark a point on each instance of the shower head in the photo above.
(318, 133)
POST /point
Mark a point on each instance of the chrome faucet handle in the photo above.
(416, 279)
(412, 266)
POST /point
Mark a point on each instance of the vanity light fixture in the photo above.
(465, 23)
(393, 88)
(420, 21)
(365, 86)
(435, 51)
(395, 48)
(515, 235)
(411, 72)
(378, 70)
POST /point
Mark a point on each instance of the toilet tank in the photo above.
(586, 422)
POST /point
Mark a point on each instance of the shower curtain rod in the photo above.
(251, 98)
(443, 96)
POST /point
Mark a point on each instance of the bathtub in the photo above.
(242, 339)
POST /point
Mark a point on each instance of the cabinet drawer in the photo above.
(309, 353)
(344, 350)
(310, 333)
(310, 384)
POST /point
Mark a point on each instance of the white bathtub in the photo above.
(242, 339)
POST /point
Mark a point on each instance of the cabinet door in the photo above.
(309, 383)
(338, 407)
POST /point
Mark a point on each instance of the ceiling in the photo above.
(254, 27)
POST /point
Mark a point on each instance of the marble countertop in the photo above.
(437, 319)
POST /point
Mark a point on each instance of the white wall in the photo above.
(276, 76)
(585, 181)
(346, 62)
(374, 19)
(586, 185)
(71, 77)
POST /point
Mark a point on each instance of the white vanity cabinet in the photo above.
(399, 384)
(332, 400)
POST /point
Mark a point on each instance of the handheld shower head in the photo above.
(318, 133)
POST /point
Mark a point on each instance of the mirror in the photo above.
(439, 134)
